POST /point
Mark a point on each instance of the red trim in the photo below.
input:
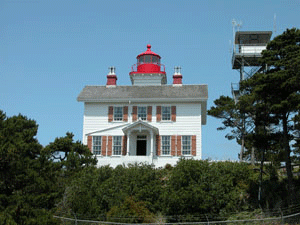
(178, 145)
(103, 146)
(173, 145)
(134, 113)
(194, 145)
(90, 142)
(158, 113)
(158, 150)
(135, 72)
(173, 111)
(110, 113)
(109, 146)
(148, 52)
(149, 114)
(124, 143)
(125, 113)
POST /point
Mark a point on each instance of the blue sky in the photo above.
(49, 50)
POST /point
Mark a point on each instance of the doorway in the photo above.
(141, 145)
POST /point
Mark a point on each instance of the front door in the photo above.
(141, 147)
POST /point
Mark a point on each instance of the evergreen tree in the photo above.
(276, 93)
(70, 156)
(239, 123)
(27, 187)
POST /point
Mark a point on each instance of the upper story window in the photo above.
(166, 112)
(117, 145)
(165, 145)
(142, 112)
(96, 145)
(118, 113)
(186, 145)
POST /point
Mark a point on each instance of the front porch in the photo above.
(141, 140)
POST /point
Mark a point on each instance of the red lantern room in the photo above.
(148, 64)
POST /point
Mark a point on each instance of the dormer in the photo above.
(148, 70)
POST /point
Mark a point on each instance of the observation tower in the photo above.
(247, 49)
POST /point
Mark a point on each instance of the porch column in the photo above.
(128, 140)
(151, 143)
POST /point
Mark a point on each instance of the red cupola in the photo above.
(148, 64)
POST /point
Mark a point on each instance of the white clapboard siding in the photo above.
(188, 121)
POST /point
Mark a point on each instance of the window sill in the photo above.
(166, 121)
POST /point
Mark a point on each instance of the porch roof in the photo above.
(140, 125)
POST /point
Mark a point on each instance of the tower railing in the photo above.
(235, 91)
(134, 66)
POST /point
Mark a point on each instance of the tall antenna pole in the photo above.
(234, 25)
(233, 33)
(274, 24)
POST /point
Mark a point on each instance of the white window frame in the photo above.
(119, 116)
(96, 145)
(117, 145)
(144, 118)
(165, 145)
(186, 145)
(164, 114)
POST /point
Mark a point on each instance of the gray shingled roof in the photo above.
(163, 93)
(103, 93)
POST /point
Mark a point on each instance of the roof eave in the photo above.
(143, 100)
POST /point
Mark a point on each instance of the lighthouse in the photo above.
(148, 70)
(149, 121)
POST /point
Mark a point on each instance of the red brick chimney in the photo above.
(177, 77)
(111, 77)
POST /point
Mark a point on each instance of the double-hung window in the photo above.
(97, 145)
(165, 145)
(186, 145)
(142, 112)
(118, 113)
(117, 145)
(166, 113)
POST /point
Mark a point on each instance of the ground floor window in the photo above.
(117, 145)
(96, 145)
(165, 145)
(186, 145)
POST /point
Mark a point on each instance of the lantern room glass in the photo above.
(148, 59)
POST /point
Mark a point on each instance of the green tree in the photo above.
(278, 89)
(131, 211)
(93, 192)
(215, 189)
(70, 156)
(239, 123)
(85, 196)
(27, 187)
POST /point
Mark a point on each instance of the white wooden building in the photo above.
(149, 121)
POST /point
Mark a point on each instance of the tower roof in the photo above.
(148, 52)
(252, 37)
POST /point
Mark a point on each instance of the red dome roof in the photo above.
(148, 52)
